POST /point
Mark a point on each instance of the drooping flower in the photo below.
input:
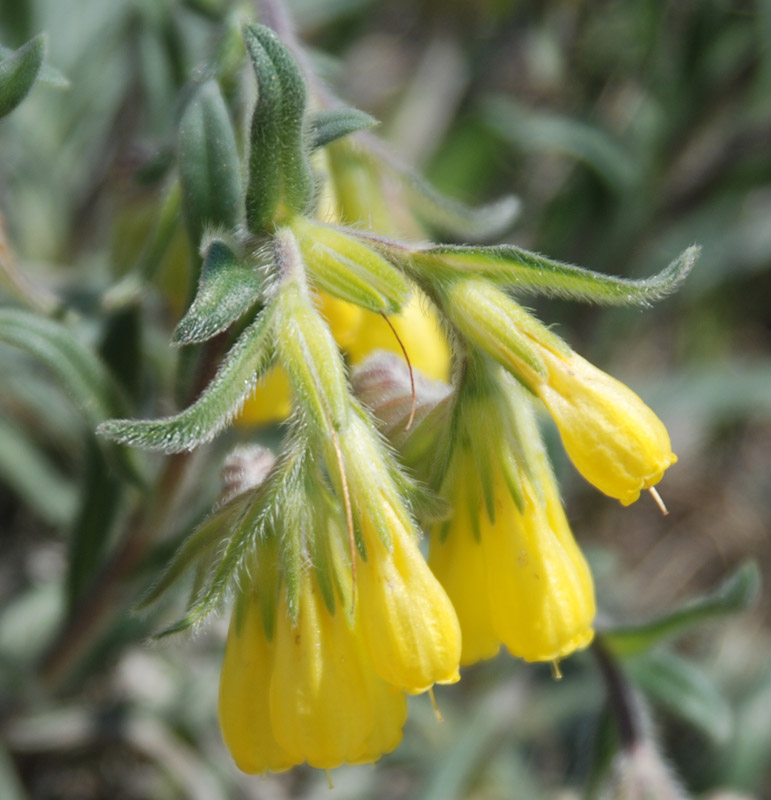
(326, 702)
(507, 557)
(244, 694)
(612, 437)
(412, 631)
(308, 694)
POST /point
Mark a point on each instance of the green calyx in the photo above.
(349, 270)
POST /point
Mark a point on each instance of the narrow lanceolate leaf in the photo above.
(737, 592)
(235, 380)
(19, 71)
(79, 370)
(296, 174)
(304, 342)
(531, 130)
(227, 289)
(280, 177)
(92, 527)
(331, 124)
(349, 270)
(507, 265)
(47, 76)
(685, 691)
(29, 473)
(446, 215)
(210, 170)
(246, 524)
(263, 190)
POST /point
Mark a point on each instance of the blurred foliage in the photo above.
(630, 130)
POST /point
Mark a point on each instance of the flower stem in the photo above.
(620, 696)
(108, 587)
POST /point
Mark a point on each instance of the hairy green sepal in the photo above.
(331, 124)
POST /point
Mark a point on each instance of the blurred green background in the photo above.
(630, 129)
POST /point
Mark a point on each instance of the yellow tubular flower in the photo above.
(411, 629)
(524, 582)
(615, 441)
(458, 561)
(539, 585)
(244, 691)
(513, 571)
(326, 702)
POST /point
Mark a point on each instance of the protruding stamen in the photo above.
(556, 672)
(437, 712)
(659, 502)
(330, 782)
(409, 367)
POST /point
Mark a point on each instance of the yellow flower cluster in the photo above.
(306, 680)
(309, 694)
(328, 684)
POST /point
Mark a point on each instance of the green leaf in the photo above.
(19, 71)
(11, 787)
(210, 532)
(527, 129)
(228, 288)
(736, 593)
(235, 380)
(26, 469)
(296, 174)
(129, 288)
(329, 125)
(263, 191)
(280, 176)
(92, 527)
(522, 270)
(445, 214)
(684, 690)
(210, 170)
(80, 371)
(48, 75)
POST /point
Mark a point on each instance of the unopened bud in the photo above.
(245, 468)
